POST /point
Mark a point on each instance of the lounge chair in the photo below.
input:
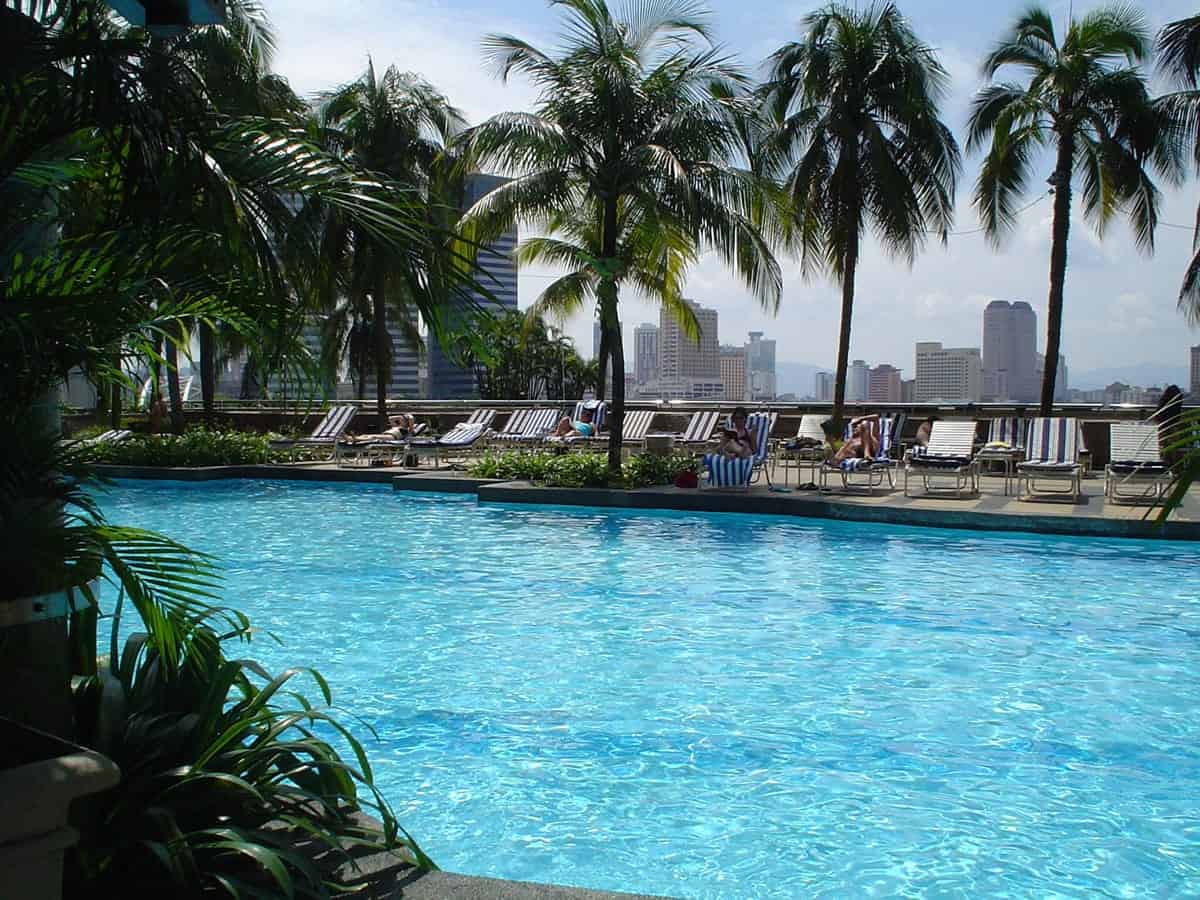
(700, 428)
(534, 428)
(375, 449)
(741, 473)
(459, 439)
(1051, 455)
(326, 434)
(1136, 462)
(872, 472)
(637, 425)
(1010, 430)
(949, 454)
(482, 417)
(113, 436)
(515, 424)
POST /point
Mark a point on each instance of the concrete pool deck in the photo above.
(990, 510)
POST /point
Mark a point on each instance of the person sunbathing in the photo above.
(582, 426)
(863, 442)
(737, 442)
(403, 426)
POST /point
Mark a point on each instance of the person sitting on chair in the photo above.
(582, 426)
(737, 441)
(863, 442)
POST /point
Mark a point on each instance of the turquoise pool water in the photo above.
(735, 706)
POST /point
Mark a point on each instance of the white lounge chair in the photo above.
(112, 436)
(700, 428)
(1135, 462)
(1051, 456)
(857, 474)
(599, 411)
(724, 472)
(534, 429)
(325, 435)
(949, 454)
(460, 439)
(1010, 430)
(637, 425)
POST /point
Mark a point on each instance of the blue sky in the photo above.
(1120, 305)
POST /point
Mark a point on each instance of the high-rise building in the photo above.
(1009, 351)
(405, 381)
(1061, 381)
(760, 367)
(948, 373)
(645, 353)
(883, 384)
(498, 275)
(733, 372)
(823, 387)
(681, 357)
(858, 378)
(908, 390)
(1195, 379)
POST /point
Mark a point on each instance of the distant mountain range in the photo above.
(1138, 375)
(797, 378)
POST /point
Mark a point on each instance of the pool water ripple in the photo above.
(735, 706)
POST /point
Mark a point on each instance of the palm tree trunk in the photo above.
(1059, 233)
(173, 391)
(383, 369)
(208, 371)
(116, 395)
(843, 358)
(610, 335)
(603, 354)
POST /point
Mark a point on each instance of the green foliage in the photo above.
(580, 469)
(218, 757)
(195, 447)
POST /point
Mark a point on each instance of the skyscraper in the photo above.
(498, 275)
(883, 384)
(1195, 379)
(1009, 351)
(948, 373)
(760, 367)
(679, 356)
(732, 361)
(645, 353)
(857, 381)
(823, 387)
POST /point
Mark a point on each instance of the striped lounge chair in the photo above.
(379, 451)
(327, 433)
(1012, 431)
(637, 425)
(112, 436)
(536, 428)
(949, 454)
(481, 416)
(741, 473)
(514, 426)
(868, 474)
(460, 440)
(700, 429)
(1051, 456)
(1135, 462)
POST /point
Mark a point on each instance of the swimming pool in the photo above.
(735, 706)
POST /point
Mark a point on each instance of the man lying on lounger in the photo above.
(863, 442)
(403, 426)
(582, 426)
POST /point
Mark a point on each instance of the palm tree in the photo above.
(856, 138)
(1086, 100)
(624, 165)
(1179, 60)
(399, 128)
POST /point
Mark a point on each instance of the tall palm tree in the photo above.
(857, 141)
(624, 165)
(1084, 99)
(400, 128)
(1179, 60)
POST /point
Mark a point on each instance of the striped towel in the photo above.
(726, 472)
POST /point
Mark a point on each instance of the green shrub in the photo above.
(194, 448)
(647, 469)
(580, 469)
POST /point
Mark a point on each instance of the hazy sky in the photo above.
(1120, 305)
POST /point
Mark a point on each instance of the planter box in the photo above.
(40, 776)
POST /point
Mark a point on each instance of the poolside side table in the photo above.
(801, 459)
(1008, 458)
(660, 444)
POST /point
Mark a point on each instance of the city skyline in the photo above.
(1119, 304)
